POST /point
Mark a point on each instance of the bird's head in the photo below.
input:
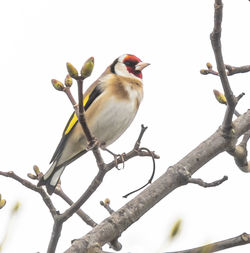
(128, 65)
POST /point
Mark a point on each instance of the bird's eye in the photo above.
(130, 63)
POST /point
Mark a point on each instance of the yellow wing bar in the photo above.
(73, 119)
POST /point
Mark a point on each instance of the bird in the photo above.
(110, 105)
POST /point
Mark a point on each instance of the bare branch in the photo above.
(55, 235)
(80, 213)
(205, 184)
(85, 196)
(240, 153)
(221, 245)
(106, 205)
(231, 70)
(120, 220)
(138, 142)
(33, 187)
(216, 44)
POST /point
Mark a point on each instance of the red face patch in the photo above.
(132, 58)
(130, 61)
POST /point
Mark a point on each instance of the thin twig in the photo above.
(205, 184)
(136, 151)
(80, 213)
(231, 70)
(33, 187)
(71, 98)
(81, 117)
(221, 245)
(106, 205)
(138, 142)
(216, 44)
(151, 178)
(85, 196)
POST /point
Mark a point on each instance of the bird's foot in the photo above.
(116, 157)
(92, 144)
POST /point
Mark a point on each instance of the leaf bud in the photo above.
(204, 71)
(36, 170)
(107, 201)
(87, 68)
(209, 65)
(31, 176)
(57, 85)
(72, 70)
(220, 97)
(68, 81)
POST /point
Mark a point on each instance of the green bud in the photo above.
(68, 81)
(72, 70)
(107, 201)
(57, 85)
(87, 68)
(31, 176)
(220, 97)
(204, 71)
(209, 65)
(36, 170)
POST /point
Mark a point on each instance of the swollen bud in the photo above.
(220, 97)
(209, 65)
(68, 81)
(107, 201)
(87, 68)
(57, 85)
(204, 71)
(36, 170)
(72, 70)
(31, 176)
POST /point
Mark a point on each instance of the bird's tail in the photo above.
(51, 178)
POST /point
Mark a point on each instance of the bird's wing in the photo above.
(88, 98)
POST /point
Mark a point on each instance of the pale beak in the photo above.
(141, 65)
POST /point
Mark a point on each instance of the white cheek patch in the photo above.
(121, 70)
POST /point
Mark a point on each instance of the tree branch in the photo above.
(221, 245)
(80, 213)
(120, 220)
(33, 187)
(240, 153)
(216, 44)
(231, 70)
(200, 182)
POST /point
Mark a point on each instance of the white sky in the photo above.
(39, 37)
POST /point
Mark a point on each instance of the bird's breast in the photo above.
(112, 116)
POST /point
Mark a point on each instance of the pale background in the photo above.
(39, 37)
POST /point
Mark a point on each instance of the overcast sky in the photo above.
(39, 37)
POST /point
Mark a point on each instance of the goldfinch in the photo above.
(110, 105)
